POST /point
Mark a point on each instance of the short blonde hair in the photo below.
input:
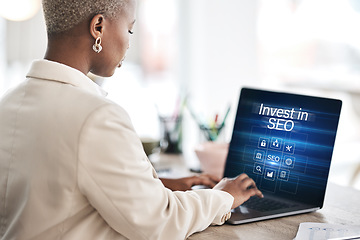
(61, 15)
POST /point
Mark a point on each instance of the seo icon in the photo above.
(273, 157)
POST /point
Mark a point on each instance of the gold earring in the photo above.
(97, 46)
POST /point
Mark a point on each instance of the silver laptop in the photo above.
(284, 142)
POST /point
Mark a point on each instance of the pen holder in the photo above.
(212, 157)
(211, 133)
(171, 141)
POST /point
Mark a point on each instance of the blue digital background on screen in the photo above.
(284, 142)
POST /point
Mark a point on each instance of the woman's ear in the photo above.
(97, 26)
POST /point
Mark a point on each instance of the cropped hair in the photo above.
(61, 15)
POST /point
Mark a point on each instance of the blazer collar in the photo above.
(54, 71)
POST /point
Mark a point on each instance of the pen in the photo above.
(346, 238)
(227, 113)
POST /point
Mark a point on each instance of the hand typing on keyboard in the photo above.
(241, 188)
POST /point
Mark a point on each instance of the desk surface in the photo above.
(341, 207)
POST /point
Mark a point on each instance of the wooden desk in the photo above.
(342, 206)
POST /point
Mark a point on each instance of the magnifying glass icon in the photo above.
(258, 168)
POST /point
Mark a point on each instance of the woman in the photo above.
(72, 166)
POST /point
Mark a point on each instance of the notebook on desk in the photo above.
(284, 142)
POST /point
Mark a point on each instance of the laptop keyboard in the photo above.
(264, 204)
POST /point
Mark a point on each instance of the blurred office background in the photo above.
(204, 51)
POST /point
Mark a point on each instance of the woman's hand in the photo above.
(241, 188)
(183, 184)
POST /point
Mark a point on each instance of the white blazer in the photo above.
(72, 167)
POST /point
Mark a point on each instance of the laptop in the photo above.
(284, 142)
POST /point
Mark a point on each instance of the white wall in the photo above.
(218, 55)
(2, 54)
(22, 42)
(26, 40)
(220, 52)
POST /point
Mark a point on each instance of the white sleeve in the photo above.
(119, 182)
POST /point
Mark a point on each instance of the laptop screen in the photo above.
(284, 142)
